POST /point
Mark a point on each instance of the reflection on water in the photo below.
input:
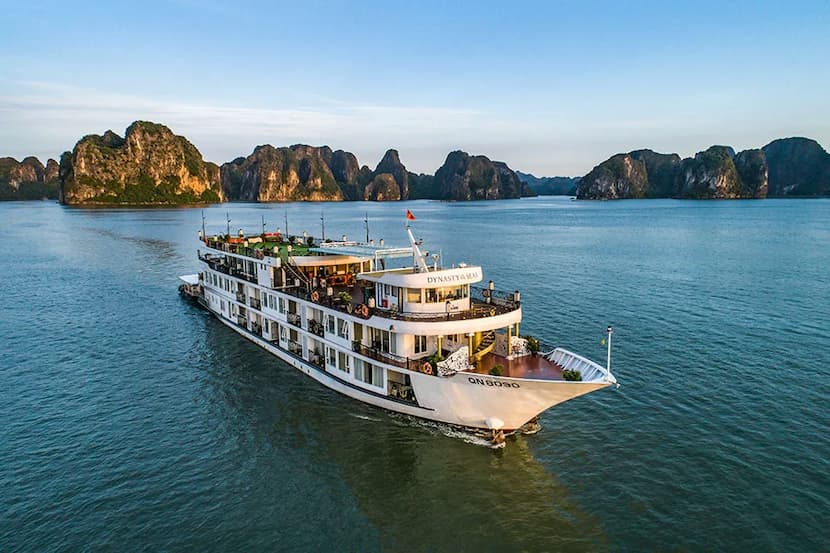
(422, 490)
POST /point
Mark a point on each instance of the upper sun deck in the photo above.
(303, 250)
(359, 277)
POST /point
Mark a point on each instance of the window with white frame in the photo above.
(377, 376)
(343, 328)
(420, 344)
(343, 362)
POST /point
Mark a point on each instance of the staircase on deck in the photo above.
(488, 342)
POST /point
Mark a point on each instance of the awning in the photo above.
(190, 279)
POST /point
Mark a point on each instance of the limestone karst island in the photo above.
(150, 165)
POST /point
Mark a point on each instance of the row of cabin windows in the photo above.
(335, 325)
(437, 295)
(363, 371)
(220, 282)
(275, 303)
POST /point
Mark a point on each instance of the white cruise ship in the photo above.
(421, 339)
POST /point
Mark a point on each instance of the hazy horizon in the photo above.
(550, 89)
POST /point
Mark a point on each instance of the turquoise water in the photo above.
(130, 420)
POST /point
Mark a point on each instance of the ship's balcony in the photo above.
(378, 355)
(255, 303)
(294, 319)
(316, 327)
(220, 265)
(358, 305)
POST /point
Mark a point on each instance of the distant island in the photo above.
(150, 165)
(28, 179)
(784, 167)
(550, 186)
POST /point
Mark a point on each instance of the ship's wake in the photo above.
(480, 438)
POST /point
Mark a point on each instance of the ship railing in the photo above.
(568, 360)
(240, 297)
(316, 327)
(295, 348)
(255, 303)
(379, 355)
(495, 297)
(478, 309)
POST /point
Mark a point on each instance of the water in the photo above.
(130, 420)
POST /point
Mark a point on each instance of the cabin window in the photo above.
(330, 324)
(343, 328)
(358, 369)
(343, 362)
(282, 305)
(420, 344)
(331, 357)
(413, 295)
(377, 376)
(437, 295)
(383, 340)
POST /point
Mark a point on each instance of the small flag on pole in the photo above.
(409, 216)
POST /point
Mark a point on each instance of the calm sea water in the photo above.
(131, 421)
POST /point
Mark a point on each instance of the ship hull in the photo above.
(467, 400)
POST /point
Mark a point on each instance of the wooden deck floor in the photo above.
(522, 367)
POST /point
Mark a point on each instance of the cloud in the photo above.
(53, 116)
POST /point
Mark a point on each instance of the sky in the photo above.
(551, 88)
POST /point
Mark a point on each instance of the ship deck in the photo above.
(528, 366)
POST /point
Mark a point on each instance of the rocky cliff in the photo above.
(710, 174)
(313, 173)
(28, 179)
(149, 165)
(797, 167)
(716, 173)
(466, 177)
(287, 174)
(621, 176)
(391, 165)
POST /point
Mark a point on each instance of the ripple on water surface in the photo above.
(130, 420)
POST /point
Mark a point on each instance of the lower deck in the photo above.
(527, 366)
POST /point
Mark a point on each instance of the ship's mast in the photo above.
(366, 224)
(418, 262)
(323, 226)
(228, 218)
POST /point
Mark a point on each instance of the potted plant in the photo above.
(572, 375)
(497, 370)
(533, 345)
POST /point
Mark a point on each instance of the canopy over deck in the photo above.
(358, 249)
(190, 279)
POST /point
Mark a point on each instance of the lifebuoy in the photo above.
(315, 296)
(485, 293)
(426, 368)
(364, 310)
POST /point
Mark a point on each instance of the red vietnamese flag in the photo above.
(409, 215)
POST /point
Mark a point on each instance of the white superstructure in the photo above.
(422, 340)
